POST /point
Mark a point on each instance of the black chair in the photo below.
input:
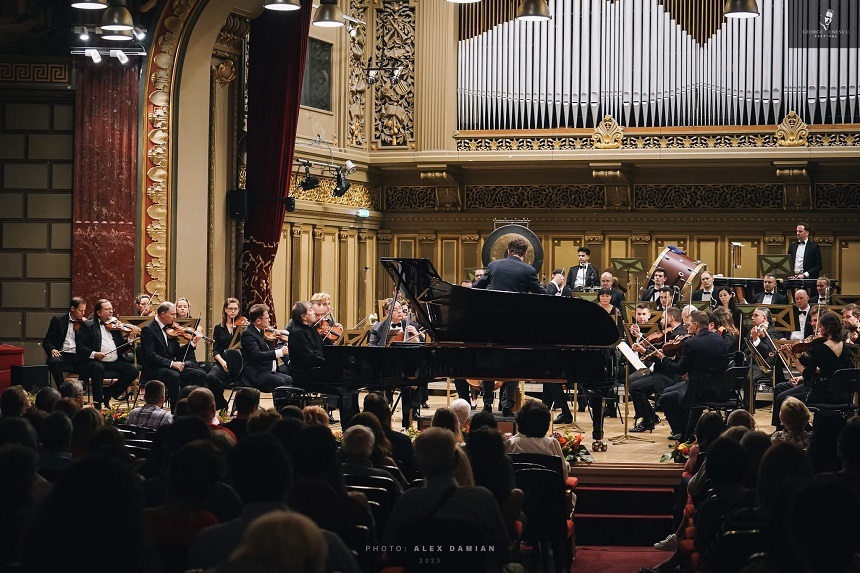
(442, 533)
(358, 539)
(235, 366)
(380, 500)
(140, 432)
(844, 385)
(731, 550)
(547, 516)
(547, 461)
(734, 381)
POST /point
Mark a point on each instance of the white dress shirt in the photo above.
(69, 340)
(798, 257)
(108, 345)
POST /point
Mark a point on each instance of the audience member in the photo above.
(401, 446)
(532, 425)
(740, 418)
(262, 420)
(56, 438)
(794, 416)
(17, 498)
(818, 530)
(246, 403)
(462, 409)
(14, 401)
(108, 441)
(381, 456)
(483, 420)
(446, 418)
(35, 417)
(755, 444)
(68, 406)
(201, 403)
(315, 416)
(73, 389)
(848, 448)
(152, 414)
(356, 448)
(46, 398)
(85, 424)
(822, 448)
(491, 467)
(292, 411)
(285, 431)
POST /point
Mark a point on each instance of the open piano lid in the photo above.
(455, 314)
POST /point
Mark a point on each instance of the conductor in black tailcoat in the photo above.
(511, 274)
(805, 255)
(163, 357)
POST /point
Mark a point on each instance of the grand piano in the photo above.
(481, 334)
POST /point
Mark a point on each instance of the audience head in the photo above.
(708, 428)
(35, 416)
(382, 446)
(286, 432)
(377, 404)
(56, 433)
(292, 411)
(260, 469)
(315, 454)
(186, 391)
(848, 445)
(727, 462)
(18, 431)
(357, 443)
(247, 401)
(794, 414)
(193, 471)
(73, 389)
(14, 401)
(445, 418)
(282, 542)
(822, 448)
(18, 466)
(483, 420)
(781, 461)
(182, 408)
(184, 430)
(533, 419)
(315, 416)
(435, 452)
(84, 426)
(108, 441)
(201, 403)
(461, 409)
(490, 466)
(262, 420)
(46, 398)
(153, 392)
(740, 417)
(67, 406)
(735, 433)
(755, 444)
(817, 529)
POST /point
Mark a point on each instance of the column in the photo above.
(436, 75)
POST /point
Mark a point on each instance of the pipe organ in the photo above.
(652, 63)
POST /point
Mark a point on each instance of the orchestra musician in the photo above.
(726, 299)
(512, 274)
(770, 294)
(724, 325)
(608, 281)
(825, 355)
(556, 286)
(183, 308)
(805, 255)
(851, 322)
(658, 382)
(585, 275)
(142, 306)
(262, 370)
(652, 292)
(822, 291)
(703, 359)
(104, 351)
(165, 359)
(218, 377)
(59, 342)
(326, 325)
(762, 336)
(667, 296)
(801, 315)
(706, 293)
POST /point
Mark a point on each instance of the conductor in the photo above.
(511, 274)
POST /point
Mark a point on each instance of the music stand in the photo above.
(627, 266)
(776, 265)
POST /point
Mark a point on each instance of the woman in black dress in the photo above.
(726, 299)
(219, 375)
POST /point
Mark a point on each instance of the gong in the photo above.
(496, 245)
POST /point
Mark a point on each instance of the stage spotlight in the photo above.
(342, 185)
(309, 182)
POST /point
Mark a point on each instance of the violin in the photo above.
(329, 332)
(274, 335)
(189, 334)
(672, 347)
(241, 321)
(115, 325)
(803, 346)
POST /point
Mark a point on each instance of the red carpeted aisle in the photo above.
(615, 559)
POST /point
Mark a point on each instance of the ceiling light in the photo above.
(328, 15)
(283, 5)
(309, 182)
(82, 32)
(119, 55)
(533, 11)
(740, 9)
(342, 185)
(117, 17)
(118, 35)
(90, 4)
(139, 33)
(94, 54)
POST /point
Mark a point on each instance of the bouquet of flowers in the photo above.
(572, 448)
(412, 432)
(680, 452)
(114, 415)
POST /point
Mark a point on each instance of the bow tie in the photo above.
(582, 266)
(767, 293)
(803, 312)
(801, 242)
(165, 327)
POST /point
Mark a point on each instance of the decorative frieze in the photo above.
(759, 196)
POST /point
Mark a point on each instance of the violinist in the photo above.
(329, 329)
(101, 346)
(165, 359)
(59, 342)
(851, 322)
(658, 382)
(703, 359)
(262, 370)
(762, 336)
(724, 325)
(824, 356)
(142, 306)
(183, 308)
(802, 311)
(218, 377)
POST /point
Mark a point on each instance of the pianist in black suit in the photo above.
(770, 294)
(106, 353)
(805, 255)
(511, 274)
(59, 341)
(165, 359)
(262, 370)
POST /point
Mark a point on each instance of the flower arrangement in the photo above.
(572, 448)
(412, 432)
(115, 415)
(679, 452)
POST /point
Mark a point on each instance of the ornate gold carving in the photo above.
(593, 238)
(342, 235)
(225, 73)
(837, 195)
(533, 196)
(408, 198)
(427, 238)
(616, 187)
(394, 103)
(358, 195)
(231, 37)
(469, 238)
(384, 236)
(356, 70)
(773, 239)
(825, 239)
(363, 235)
(319, 233)
(607, 134)
(448, 199)
(49, 75)
(640, 238)
(792, 132)
(763, 196)
(297, 231)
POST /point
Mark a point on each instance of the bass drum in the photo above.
(680, 269)
(496, 245)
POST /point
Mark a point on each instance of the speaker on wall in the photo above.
(31, 377)
(237, 203)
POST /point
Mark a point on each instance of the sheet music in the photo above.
(631, 356)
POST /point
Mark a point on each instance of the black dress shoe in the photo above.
(488, 409)
(563, 419)
(581, 409)
(425, 405)
(507, 413)
(675, 437)
(332, 420)
(642, 427)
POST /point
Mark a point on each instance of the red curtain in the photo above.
(278, 43)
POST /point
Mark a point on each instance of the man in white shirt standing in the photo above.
(805, 255)
(585, 275)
